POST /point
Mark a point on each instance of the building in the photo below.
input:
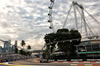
(7, 47)
(15, 43)
(14, 46)
(0, 49)
(89, 48)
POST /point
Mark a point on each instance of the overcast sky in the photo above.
(27, 19)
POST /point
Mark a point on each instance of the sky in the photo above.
(28, 20)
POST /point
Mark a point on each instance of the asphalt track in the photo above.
(50, 64)
(29, 62)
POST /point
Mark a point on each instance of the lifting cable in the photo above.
(86, 23)
(90, 28)
(67, 15)
(92, 17)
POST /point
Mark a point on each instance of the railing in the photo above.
(14, 58)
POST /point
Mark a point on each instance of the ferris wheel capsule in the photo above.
(52, 0)
(49, 14)
(50, 7)
(96, 36)
(90, 37)
(49, 20)
(50, 27)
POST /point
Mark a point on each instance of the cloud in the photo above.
(27, 19)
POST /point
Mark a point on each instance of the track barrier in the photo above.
(75, 62)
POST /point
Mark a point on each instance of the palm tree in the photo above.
(28, 47)
(23, 43)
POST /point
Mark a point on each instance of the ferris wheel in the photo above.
(89, 33)
(50, 15)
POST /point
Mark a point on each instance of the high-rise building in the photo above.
(7, 45)
(14, 46)
(15, 43)
(0, 49)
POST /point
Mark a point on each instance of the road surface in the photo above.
(29, 62)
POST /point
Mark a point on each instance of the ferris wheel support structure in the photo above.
(75, 15)
(84, 19)
(82, 14)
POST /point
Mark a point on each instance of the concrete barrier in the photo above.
(84, 64)
(75, 62)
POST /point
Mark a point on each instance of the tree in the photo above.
(23, 43)
(29, 53)
(28, 47)
(75, 35)
(22, 52)
(49, 38)
(67, 47)
(16, 50)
